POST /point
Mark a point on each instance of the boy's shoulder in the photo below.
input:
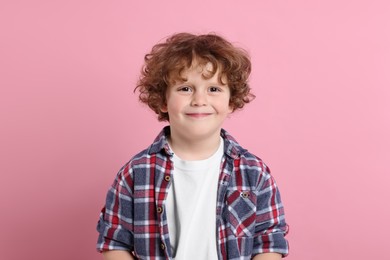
(249, 168)
(247, 159)
(235, 150)
(157, 149)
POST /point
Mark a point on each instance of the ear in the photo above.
(164, 109)
(231, 108)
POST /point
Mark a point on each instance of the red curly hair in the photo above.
(167, 60)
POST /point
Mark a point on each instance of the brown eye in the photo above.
(214, 89)
(185, 89)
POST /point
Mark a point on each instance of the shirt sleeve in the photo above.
(115, 225)
(271, 227)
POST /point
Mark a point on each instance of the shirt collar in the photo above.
(160, 144)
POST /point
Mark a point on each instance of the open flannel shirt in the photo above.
(249, 214)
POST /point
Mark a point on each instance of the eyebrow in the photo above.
(218, 82)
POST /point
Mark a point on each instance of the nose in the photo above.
(199, 99)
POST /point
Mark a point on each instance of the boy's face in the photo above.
(198, 105)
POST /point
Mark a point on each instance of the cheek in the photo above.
(228, 105)
(224, 107)
(173, 105)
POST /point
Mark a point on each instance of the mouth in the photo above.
(198, 115)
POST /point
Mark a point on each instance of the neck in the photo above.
(191, 149)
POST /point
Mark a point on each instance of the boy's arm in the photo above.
(271, 227)
(268, 256)
(117, 255)
(115, 225)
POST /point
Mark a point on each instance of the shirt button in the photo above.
(159, 209)
(167, 178)
(162, 246)
(245, 194)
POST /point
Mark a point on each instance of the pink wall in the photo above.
(69, 119)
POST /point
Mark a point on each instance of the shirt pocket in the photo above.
(241, 212)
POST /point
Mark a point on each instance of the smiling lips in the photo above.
(198, 115)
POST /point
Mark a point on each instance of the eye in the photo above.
(214, 89)
(184, 89)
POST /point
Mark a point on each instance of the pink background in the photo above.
(69, 119)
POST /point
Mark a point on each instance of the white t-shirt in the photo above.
(191, 207)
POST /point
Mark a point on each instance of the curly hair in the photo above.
(167, 60)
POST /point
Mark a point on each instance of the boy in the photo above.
(194, 193)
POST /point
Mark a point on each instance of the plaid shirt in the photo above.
(249, 214)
